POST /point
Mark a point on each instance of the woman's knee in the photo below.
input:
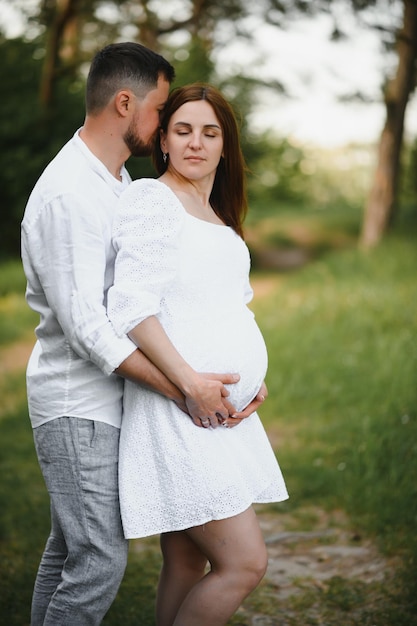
(256, 568)
(245, 573)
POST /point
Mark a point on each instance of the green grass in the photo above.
(12, 279)
(343, 359)
(341, 411)
(15, 316)
(23, 520)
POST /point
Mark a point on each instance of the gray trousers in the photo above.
(85, 556)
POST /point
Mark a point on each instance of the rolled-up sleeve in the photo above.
(65, 254)
(146, 237)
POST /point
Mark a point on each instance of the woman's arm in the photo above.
(203, 396)
(139, 369)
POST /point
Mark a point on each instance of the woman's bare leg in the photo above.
(236, 550)
(183, 566)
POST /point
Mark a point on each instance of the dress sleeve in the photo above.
(146, 237)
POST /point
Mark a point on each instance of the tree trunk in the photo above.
(60, 31)
(382, 198)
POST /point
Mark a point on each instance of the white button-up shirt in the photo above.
(68, 259)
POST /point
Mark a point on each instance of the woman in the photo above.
(181, 292)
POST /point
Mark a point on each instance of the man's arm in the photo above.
(138, 368)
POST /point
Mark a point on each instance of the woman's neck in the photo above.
(193, 195)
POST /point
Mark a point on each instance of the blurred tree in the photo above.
(382, 200)
(60, 18)
(27, 139)
(276, 168)
(408, 187)
(75, 29)
(383, 197)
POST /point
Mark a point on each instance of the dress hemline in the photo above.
(206, 520)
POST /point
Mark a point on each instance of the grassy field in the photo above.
(341, 334)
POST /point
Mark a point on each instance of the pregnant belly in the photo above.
(229, 344)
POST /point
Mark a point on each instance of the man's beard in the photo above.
(137, 147)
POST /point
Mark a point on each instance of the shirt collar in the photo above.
(117, 185)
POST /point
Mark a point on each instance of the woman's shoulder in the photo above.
(145, 184)
(148, 199)
(141, 188)
(149, 188)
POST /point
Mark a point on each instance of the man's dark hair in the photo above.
(124, 66)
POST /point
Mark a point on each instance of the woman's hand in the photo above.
(235, 418)
(206, 399)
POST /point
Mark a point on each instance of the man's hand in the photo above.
(207, 400)
(236, 417)
(223, 379)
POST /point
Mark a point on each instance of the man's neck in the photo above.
(105, 145)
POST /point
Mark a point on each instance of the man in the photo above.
(75, 373)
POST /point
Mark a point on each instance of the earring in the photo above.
(165, 156)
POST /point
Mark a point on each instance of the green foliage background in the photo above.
(28, 137)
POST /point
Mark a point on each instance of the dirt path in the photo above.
(327, 575)
(329, 549)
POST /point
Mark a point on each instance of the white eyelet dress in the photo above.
(194, 276)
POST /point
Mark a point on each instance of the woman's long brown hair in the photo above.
(228, 197)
